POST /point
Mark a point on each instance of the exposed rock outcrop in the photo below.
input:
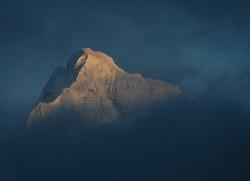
(95, 88)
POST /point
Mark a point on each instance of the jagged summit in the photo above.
(95, 88)
(95, 58)
(64, 77)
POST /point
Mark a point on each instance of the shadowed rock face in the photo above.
(62, 78)
(96, 89)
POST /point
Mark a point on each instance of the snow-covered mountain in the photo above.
(96, 89)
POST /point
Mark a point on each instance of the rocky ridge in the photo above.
(95, 88)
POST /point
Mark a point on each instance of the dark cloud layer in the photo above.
(202, 46)
(180, 141)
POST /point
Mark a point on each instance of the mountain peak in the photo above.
(87, 50)
(95, 59)
(98, 90)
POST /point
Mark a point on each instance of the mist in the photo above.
(200, 46)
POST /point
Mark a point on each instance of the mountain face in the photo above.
(95, 88)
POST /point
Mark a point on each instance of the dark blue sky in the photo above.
(203, 46)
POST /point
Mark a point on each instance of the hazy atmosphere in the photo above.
(201, 46)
